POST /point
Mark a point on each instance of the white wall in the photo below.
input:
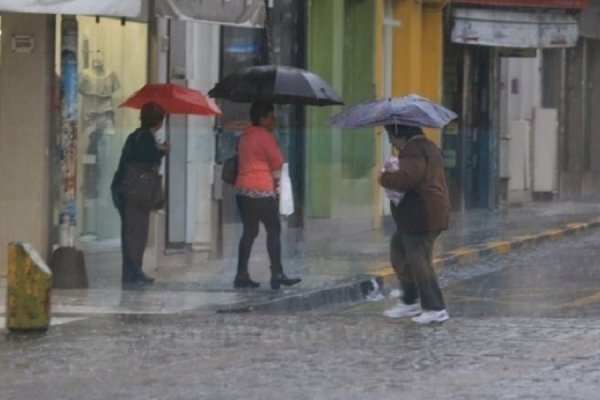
(25, 134)
(518, 157)
(545, 142)
(194, 62)
(203, 73)
(521, 94)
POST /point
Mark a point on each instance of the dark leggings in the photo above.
(253, 211)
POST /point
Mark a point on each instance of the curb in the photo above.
(343, 291)
(465, 255)
(370, 284)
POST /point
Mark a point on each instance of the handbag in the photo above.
(230, 170)
(143, 186)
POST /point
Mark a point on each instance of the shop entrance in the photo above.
(112, 57)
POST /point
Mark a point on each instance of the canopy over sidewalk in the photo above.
(249, 13)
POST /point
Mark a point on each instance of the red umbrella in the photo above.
(174, 99)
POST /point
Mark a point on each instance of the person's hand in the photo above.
(164, 146)
(278, 186)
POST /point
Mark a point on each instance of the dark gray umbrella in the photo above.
(276, 84)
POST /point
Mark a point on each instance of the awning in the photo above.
(520, 29)
(248, 13)
(574, 4)
(589, 22)
(120, 8)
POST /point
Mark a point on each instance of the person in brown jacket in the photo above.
(420, 217)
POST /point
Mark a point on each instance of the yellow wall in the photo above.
(379, 15)
(417, 52)
(416, 62)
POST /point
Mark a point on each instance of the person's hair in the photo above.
(258, 110)
(151, 114)
(403, 131)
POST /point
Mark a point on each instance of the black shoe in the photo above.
(139, 278)
(145, 278)
(245, 282)
(282, 279)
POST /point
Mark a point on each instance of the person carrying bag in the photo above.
(256, 186)
(143, 186)
(137, 190)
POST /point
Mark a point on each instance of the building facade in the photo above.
(364, 49)
(507, 143)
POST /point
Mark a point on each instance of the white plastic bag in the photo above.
(393, 164)
(286, 197)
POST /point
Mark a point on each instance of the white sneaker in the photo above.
(429, 317)
(401, 310)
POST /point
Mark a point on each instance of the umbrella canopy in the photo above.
(276, 84)
(412, 110)
(174, 99)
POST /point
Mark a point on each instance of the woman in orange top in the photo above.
(256, 186)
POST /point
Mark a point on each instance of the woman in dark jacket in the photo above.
(141, 148)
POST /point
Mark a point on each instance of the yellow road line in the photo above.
(465, 254)
(499, 247)
(582, 301)
(578, 225)
(554, 233)
(382, 272)
(524, 238)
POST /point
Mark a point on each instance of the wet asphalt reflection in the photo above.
(524, 325)
(558, 278)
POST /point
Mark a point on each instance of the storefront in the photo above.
(482, 36)
(281, 43)
(112, 64)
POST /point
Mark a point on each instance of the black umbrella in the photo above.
(275, 84)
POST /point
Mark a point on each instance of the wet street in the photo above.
(524, 325)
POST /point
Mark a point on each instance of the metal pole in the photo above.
(464, 127)
(268, 32)
(153, 44)
(587, 162)
(562, 107)
(494, 200)
(68, 134)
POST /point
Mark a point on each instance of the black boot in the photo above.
(145, 278)
(138, 277)
(282, 279)
(241, 282)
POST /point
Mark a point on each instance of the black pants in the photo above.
(411, 256)
(253, 211)
(134, 237)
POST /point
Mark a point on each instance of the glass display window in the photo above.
(111, 65)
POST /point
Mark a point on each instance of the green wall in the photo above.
(341, 49)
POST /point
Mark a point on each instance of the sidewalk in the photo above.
(341, 269)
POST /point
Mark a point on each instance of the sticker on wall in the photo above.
(22, 43)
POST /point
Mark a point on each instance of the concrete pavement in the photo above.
(525, 327)
(342, 269)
